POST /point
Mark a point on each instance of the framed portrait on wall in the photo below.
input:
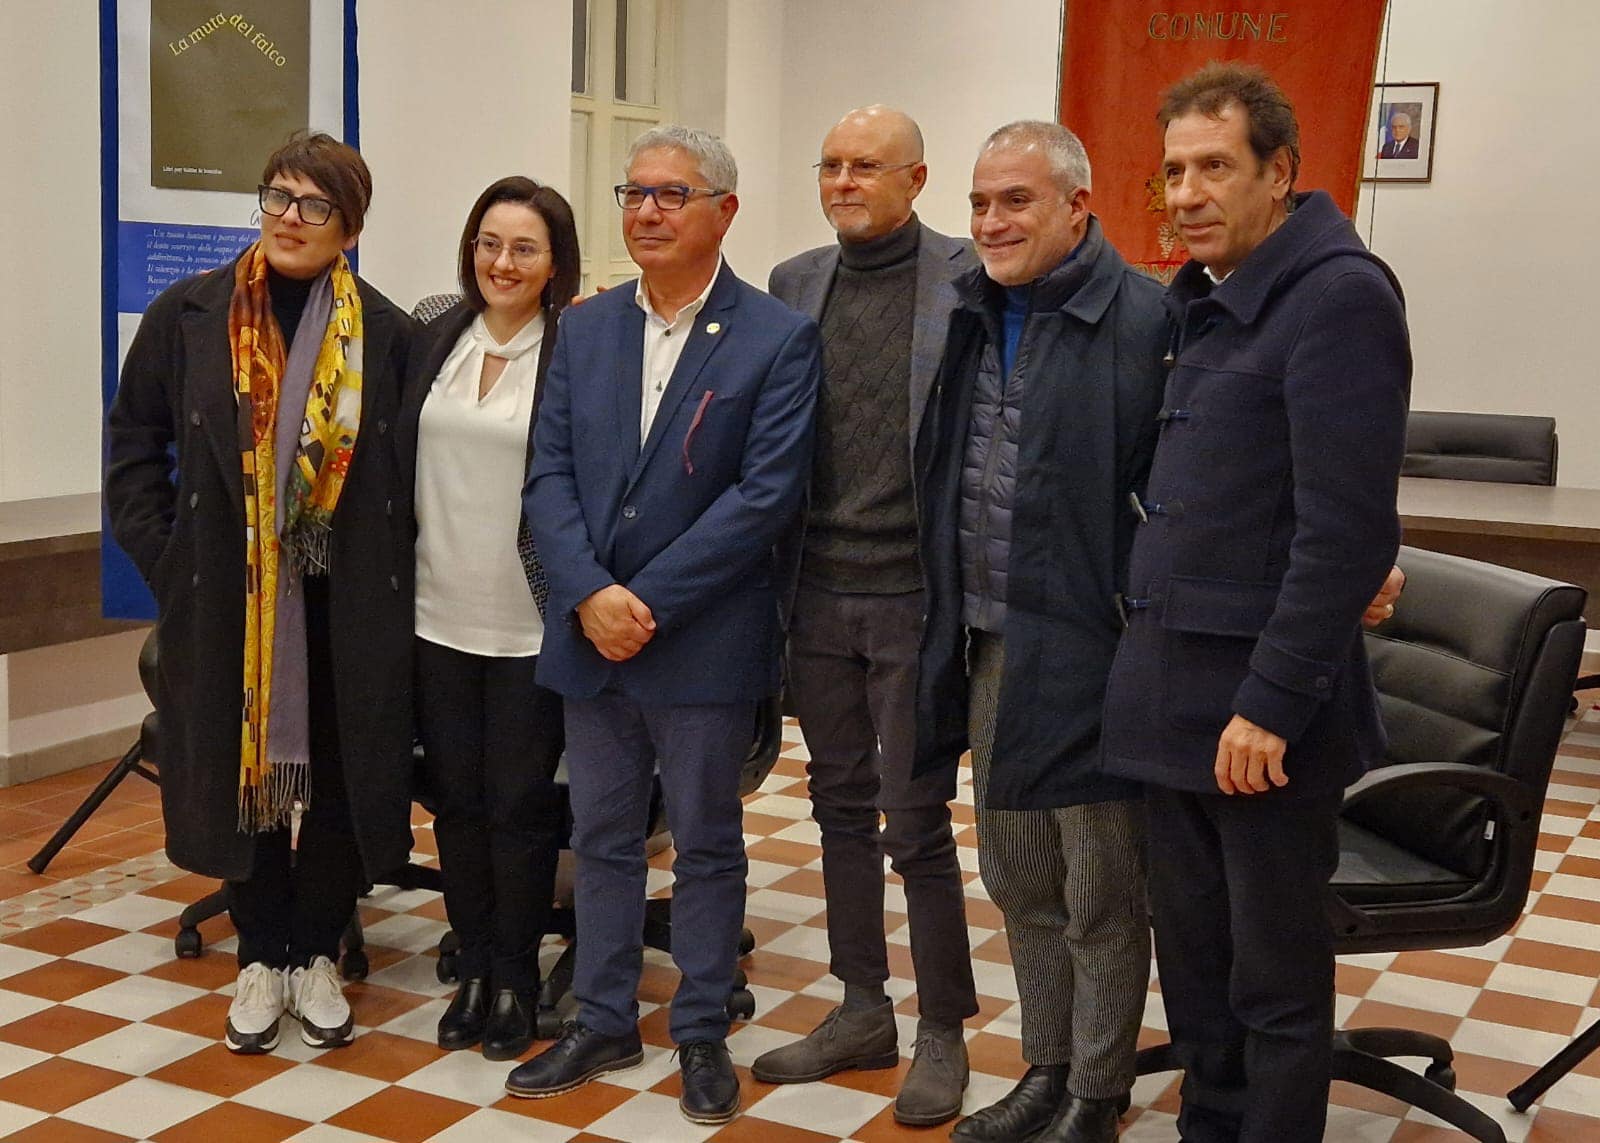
(1400, 133)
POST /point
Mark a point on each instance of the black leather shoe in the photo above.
(1021, 1113)
(1083, 1121)
(710, 1087)
(462, 1024)
(580, 1055)
(509, 1031)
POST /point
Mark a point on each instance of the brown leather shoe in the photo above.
(864, 1038)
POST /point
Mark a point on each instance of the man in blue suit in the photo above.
(672, 451)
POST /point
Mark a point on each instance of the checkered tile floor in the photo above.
(105, 1036)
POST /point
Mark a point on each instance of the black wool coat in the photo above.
(1093, 347)
(175, 496)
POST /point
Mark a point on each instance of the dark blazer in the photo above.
(1408, 149)
(1094, 340)
(187, 540)
(1275, 477)
(433, 344)
(803, 283)
(687, 522)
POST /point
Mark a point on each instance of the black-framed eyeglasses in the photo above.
(276, 201)
(524, 255)
(670, 196)
(861, 170)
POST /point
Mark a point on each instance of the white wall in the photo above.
(1495, 254)
(453, 97)
(50, 232)
(961, 68)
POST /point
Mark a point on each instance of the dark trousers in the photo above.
(295, 905)
(1244, 948)
(614, 746)
(491, 739)
(853, 682)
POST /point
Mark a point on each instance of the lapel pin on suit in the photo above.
(714, 327)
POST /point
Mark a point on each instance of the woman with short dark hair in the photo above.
(251, 477)
(491, 736)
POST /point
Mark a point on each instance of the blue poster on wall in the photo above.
(193, 97)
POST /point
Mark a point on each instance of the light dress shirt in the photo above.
(472, 594)
(663, 345)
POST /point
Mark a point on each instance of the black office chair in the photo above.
(1495, 447)
(1473, 673)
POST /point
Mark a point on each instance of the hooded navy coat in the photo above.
(1272, 514)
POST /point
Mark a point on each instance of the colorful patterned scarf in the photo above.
(274, 771)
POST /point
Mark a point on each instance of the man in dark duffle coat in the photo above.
(1240, 695)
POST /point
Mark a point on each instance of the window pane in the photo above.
(623, 133)
(580, 46)
(636, 51)
(581, 180)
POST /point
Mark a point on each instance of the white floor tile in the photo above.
(314, 1093)
(464, 1076)
(653, 1117)
(1426, 995)
(14, 1117)
(137, 1049)
(133, 912)
(490, 1126)
(136, 997)
(16, 1005)
(134, 952)
(838, 1111)
(140, 1107)
(15, 959)
(1544, 984)
(14, 1058)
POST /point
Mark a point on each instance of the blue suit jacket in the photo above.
(687, 522)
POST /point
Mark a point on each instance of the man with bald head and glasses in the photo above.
(882, 295)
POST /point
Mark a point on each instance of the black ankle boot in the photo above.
(509, 1031)
(1084, 1121)
(462, 1024)
(1022, 1112)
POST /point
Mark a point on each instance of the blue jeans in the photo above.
(614, 747)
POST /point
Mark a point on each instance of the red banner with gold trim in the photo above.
(1120, 55)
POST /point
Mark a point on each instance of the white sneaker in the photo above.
(316, 999)
(258, 1001)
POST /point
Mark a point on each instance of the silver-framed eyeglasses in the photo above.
(668, 196)
(276, 201)
(861, 170)
(524, 255)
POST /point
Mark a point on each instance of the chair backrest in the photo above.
(1476, 668)
(432, 306)
(1481, 446)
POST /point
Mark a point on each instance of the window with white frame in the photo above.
(623, 84)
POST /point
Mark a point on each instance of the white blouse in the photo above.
(472, 595)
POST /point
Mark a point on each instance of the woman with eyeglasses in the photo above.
(251, 477)
(491, 736)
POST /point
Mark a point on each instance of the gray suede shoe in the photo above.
(932, 1090)
(845, 1039)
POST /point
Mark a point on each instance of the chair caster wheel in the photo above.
(741, 1004)
(354, 965)
(1441, 1074)
(546, 1024)
(187, 943)
(446, 969)
(740, 980)
(747, 942)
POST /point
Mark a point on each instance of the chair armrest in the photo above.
(1507, 794)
